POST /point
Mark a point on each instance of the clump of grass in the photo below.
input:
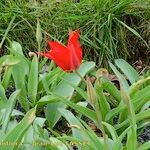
(109, 29)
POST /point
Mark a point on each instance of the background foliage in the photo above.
(109, 29)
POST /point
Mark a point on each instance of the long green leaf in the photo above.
(33, 80)
(55, 98)
(111, 89)
(65, 90)
(118, 144)
(6, 77)
(2, 93)
(144, 146)
(15, 136)
(133, 31)
(128, 70)
(121, 78)
(10, 106)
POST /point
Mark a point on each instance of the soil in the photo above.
(145, 135)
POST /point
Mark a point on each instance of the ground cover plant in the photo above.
(52, 109)
(52, 96)
(110, 29)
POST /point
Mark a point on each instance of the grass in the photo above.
(109, 29)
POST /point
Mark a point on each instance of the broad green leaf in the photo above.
(78, 89)
(145, 106)
(10, 106)
(101, 101)
(128, 70)
(59, 145)
(139, 117)
(118, 143)
(9, 60)
(65, 90)
(33, 80)
(3, 97)
(94, 139)
(111, 89)
(55, 98)
(140, 98)
(135, 87)
(16, 48)
(49, 79)
(19, 73)
(132, 139)
(48, 99)
(15, 135)
(111, 130)
(144, 146)
(76, 126)
(113, 112)
(6, 77)
(35, 131)
(78, 130)
(121, 78)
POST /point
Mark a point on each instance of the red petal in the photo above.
(60, 54)
(75, 50)
(73, 35)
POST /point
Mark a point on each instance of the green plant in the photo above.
(129, 107)
(43, 94)
(109, 29)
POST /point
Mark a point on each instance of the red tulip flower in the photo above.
(66, 57)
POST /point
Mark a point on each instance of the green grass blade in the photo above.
(7, 30)
(133, 31)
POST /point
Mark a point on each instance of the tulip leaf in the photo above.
(15, 136)
(33, 79)
(10, 106)
(139, 99)
(65, 90)
(19, 73)
(9, 60)
(121, 78)
(111, 89)
(2, 93)
(6, 77)
(80, 132)
(16, 48)
(129, 71)
(144, 146)
(118, 144)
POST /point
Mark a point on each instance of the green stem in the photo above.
(80, 76)
(99, 121)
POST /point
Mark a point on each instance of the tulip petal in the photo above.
(66, 57)
(75, 49)
(60, 54)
